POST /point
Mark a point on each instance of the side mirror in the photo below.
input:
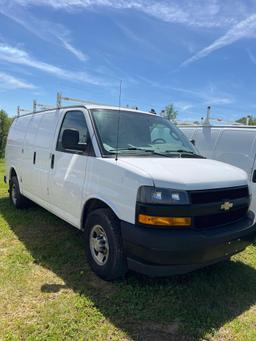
(70, 140)
(193, 142)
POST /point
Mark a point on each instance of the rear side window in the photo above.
(73, 120)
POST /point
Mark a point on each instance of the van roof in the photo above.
(90, 106)
(112, 107)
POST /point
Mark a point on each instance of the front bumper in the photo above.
(158, 251)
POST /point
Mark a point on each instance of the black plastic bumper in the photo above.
(164, 251)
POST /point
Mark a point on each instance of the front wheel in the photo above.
(104, 248)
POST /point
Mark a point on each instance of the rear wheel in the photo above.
(17, 199)
(104, 248)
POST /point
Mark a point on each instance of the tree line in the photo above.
(250, 120)
(5, 123)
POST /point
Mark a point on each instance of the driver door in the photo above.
(68, 168)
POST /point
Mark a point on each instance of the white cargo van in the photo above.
(134, 184)
(233, 144)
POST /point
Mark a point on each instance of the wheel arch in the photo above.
(91, 205)
(12, 173)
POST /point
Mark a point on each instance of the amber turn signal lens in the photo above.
(164, 221)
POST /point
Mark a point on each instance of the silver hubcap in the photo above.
(14, 194)
(99, 245)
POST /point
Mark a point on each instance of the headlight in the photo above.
(165, 196)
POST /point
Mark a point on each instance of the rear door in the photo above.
(68, 168)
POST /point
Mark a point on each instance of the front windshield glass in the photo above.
(138, 134)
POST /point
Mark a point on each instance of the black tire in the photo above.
(17, 199)
(115, 266)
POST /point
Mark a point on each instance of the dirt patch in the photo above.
(95, 282)
(151, 331)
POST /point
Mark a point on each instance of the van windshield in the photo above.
(139, 134)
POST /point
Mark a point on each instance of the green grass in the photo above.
(47, 291)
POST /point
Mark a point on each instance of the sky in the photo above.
(188, 53)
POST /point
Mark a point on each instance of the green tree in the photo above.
(5, 123)
(244, 120)
(170, 112)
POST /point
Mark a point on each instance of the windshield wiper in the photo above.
(141, 149)
(166, 153)
(185, 152)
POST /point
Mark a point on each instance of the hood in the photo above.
(188, 174)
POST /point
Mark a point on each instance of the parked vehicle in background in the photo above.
(233, 144)
(134, 184)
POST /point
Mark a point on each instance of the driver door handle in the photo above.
(52, 161)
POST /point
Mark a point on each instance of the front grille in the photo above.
(218, 195)
(219, 219)
(239, 196)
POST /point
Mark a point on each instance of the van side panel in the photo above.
(236, 148)
(206, 139)
(38, 146)
(15, 147)
(10, 150)
(233, 146)
(43, 145)
(30, 176)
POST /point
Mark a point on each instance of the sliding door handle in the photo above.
(34, 158)
(52, 161)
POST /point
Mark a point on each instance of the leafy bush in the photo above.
(5, 123)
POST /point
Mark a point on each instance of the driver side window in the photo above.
(74, 121)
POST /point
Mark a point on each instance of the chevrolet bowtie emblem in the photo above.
(226, 206)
